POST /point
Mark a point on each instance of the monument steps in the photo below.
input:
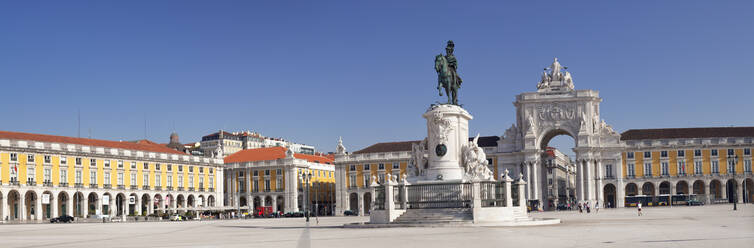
(435, 215)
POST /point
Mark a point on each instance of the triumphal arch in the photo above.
(557, 108)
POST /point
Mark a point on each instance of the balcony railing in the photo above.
(31, 182)
(134, 187)
(211, 189)
(107, 186)
(266, 190)
(78, 185)
(180, 188)
(157, 187)
(201, 189)
(121, 186)
(62, 184)
(145, 187)
(279, 190)
(92, 185)
(169, 188)
(47, 183)
(191, 189)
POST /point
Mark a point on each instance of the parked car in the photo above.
(350, 213)
(176, 217)
(62, 219)
(694, 202)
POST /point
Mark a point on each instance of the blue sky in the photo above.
(311, 72)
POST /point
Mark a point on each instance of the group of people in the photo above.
(585, 206)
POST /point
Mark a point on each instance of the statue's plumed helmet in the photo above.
(450, 44)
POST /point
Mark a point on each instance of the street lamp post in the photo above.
(306, 177)
(733, 158)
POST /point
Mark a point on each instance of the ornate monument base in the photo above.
(447, 134)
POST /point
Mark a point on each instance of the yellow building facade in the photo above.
(45, 176)
(275, 179)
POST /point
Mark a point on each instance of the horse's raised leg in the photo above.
(448, 92)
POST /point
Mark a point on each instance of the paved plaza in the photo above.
(705, 226)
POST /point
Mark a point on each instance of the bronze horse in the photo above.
(447, 79)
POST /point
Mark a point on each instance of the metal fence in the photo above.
(493, 194)
(455, 195)
(398, 196)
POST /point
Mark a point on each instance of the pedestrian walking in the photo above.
(639, 208)
(580, 209)
(596, 207)
(588, 208)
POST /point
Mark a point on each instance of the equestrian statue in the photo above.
(447, 76)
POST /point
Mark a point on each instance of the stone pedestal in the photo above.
(447, 134)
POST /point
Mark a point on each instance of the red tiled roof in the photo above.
(140, 145)
(680, 133)
(484, 141)
(271, 153)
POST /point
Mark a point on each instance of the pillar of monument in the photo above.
(447, 134)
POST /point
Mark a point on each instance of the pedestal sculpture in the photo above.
(447, 135)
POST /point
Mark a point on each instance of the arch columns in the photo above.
(361, 203)
(54, 200)
(600, 188)
(69, 204)
(579, 181)
(38, 206)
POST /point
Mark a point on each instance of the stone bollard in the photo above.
(476, 199)
(404, 196)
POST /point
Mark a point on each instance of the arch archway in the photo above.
(367, 202)
(353, 201)
(190, 201)
(180, 202)
(211, 201)
(30, 202)
(665, 188)
(555, 165)
(748, 190)
(731, 186)
(158, 202)
(257, 202)
(145, 203)
(79, 205)
(268, 201)
(610, 195)
(62, 203)
(715, 189)
(242, 201)
(120, 204)
(631, 189)
(133, 204)
(698, 188)
(280, 203)
(14, 208)
(107, 204)
(648, 189)
(47, 205)
(681, 188)
(92, 199)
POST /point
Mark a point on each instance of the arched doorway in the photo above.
(190, 202)
(30, 202)
(180, 202)
(79, 205)
(367, 202)
(158, 203)
(106, 204)
(257, 202)
(62, 203)
(353, 202)
(731, 186)
(748, 190)
(48, 203)
(631, 189)
(681, 188)
(268, 201)
(609, 192)
(648, 189)
(120, 205)
(14, 199)
(699, 187)
(665, 188)
(92, 204)
(280, 202)
(715, 189)
(145, 203)
(555, 166)
(210, 201)
(133, 204)
(242, 201)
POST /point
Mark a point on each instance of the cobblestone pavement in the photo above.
(706, 226)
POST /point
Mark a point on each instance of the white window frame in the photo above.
(107, 178)
(133, 178)
(747, 165)
(648, 169)
(698, 170)
(631, 170)
(63, 175)
(120, 178)
(170, 180)
(79, 177)
(157, 180)
(715, 167)
(92, 177)
(681, 167)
